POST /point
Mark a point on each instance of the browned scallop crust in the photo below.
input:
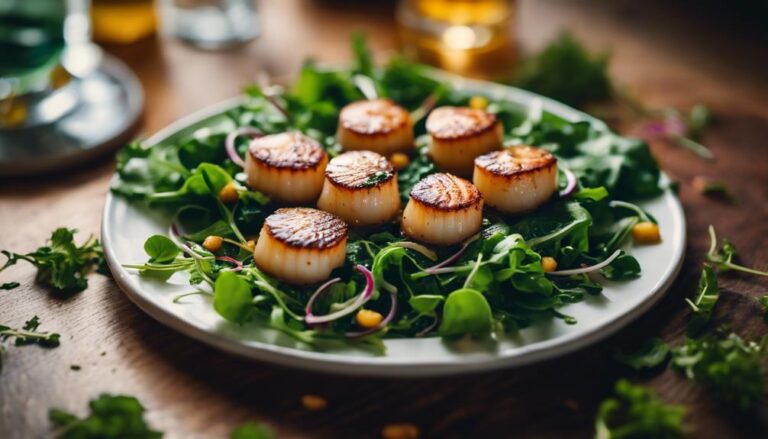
(359, 169)
(515, 161)
(303, 227)
(298, 152)
(452, 123)
(446, 192)
(373, 117)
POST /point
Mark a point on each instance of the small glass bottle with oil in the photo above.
(470, 37)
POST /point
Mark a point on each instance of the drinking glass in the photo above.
(469, 37)
(209, 24)
(45, 46)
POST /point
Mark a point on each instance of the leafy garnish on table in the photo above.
(636, 412)
(110, 417)
(62, 264)
(649, 354)
(704, 301)
(723, 257)
(724, 362)
(9, 285)
(29, 334)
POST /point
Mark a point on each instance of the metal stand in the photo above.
(110, 101)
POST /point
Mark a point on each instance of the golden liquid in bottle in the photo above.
(469, 37)
(122, 21)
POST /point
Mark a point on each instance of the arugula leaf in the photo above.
(61, 265)
(161, 249)
(252, 430)
(110, 417)
(623, 267)
(466, 312)
(425, 303)
(728, 365)
(29, 334)
(587, 79)
(232, 297)
(196, 185)
(723, 257)
(651, 353)
(635, 412)
(9, 285)
(704, 303)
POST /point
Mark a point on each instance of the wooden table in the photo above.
(192, 390)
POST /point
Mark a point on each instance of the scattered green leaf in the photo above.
(110, 417)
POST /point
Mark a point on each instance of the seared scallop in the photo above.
(300, 245)
(377, 125)
(443, 210)
(361, 188)
(288, 167)
(517, 179)
(459, 134)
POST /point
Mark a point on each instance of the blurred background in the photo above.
(178, 46)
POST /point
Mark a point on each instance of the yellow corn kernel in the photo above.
(548, 264)
(399, 160)
(646, 232)
(478, 102)
(251, 244)
(212, 243)
(228, 194)
(400, 431)
(313, 402)
(368, 319)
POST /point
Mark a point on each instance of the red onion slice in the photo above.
(590, 269)
(435, 268)
(238, 265)
(359, 301)
(173, 233)
(571, 183)
(229, 143)
(384, 322)
(426, 330)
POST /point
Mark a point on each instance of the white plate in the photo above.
(125, 227)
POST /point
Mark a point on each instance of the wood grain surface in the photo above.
(667, 57)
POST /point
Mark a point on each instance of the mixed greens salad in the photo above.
(492, 283)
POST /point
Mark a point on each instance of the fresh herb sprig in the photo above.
(62, 264)
(29, 334)
(704, 302)
(636, 412)
(727, 364)
(649, 354)
(110, 417)
(723, 257)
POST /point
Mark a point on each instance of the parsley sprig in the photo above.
(728, 365)
(111, 416)
(62, 264)
(636, 412)
(29, 334)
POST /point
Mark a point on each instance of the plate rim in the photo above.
(329, 362)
